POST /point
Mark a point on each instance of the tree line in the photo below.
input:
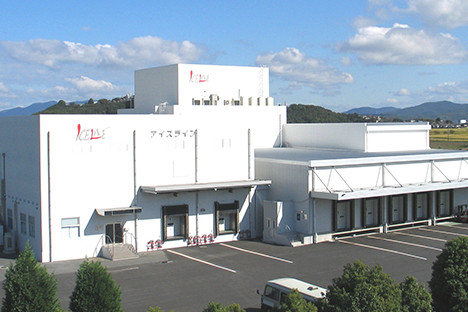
(361, 288)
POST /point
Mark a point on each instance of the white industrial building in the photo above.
(205, 156)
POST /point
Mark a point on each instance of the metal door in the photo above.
(114, 233)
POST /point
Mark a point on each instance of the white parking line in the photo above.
(405, 243)
(443, 232)
(420, 236)
(256, 253)
(386, 250)
(454, 226)
(201, 261)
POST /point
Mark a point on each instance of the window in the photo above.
(10, 219)
(23, 223)
(272, 293)
(175, 222)
(227, 218)
(70, 227)
(32, 226)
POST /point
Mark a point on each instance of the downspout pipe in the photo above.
(49, 206)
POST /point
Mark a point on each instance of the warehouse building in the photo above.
(205, 156)
(331, 180)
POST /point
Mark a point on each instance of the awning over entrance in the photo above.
(106, 212)
(387, 191)
(194, 187)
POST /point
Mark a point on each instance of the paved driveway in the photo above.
(187, 279)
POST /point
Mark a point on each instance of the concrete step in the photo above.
(122, 252)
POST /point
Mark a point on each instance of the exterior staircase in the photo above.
(117, 252)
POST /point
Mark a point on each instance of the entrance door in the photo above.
(114, 233)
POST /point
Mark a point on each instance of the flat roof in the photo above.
(193, 187)
(323, 157)
(305, 288)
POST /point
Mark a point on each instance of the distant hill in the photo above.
(300, 113)
(103, 106)
(444, 110)
(29, 110)
(372, 111)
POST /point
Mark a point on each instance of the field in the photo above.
(456, 139)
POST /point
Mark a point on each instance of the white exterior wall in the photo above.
(179, 84)
(154, 86)
(334, 136)
(93, 168)
(397, 137)
(19, 140)
(364, 137)
(228, 82)
(290, 187)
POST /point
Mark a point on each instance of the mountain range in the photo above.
(26, 111)
(444, 110)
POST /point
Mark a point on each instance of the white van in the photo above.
(278, 289)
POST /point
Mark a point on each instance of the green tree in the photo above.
(218, 307)
(28, 287)
(414, 297)
(296, 303)
(449, 282)
(362, 288)
(95, 290)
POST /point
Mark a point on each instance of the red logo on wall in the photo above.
(198, 78)
(88, 134)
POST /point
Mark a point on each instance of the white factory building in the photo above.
(205, 156)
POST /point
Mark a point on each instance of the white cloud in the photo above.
(403, 92)
(141, 51)
(450, 88)
(445, 13)
(292, 65)
(3, 88)
(87, 84)
(392, 101)
(404, 45)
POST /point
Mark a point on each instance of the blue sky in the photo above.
(338, 54)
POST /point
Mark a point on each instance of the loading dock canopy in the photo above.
(387, 191)
(194, 187)
(106, 212)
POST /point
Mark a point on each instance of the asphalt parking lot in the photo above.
(187, 279)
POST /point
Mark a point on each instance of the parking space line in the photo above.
(386, 250)
(454, 226)
(420, 236)
(256, 253)
(443, 232)
(405, 243)
(201, 261)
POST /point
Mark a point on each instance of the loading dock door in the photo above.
(397, 209)
(371, 213)
(343, 215)
(444, 203)
(420, 206)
